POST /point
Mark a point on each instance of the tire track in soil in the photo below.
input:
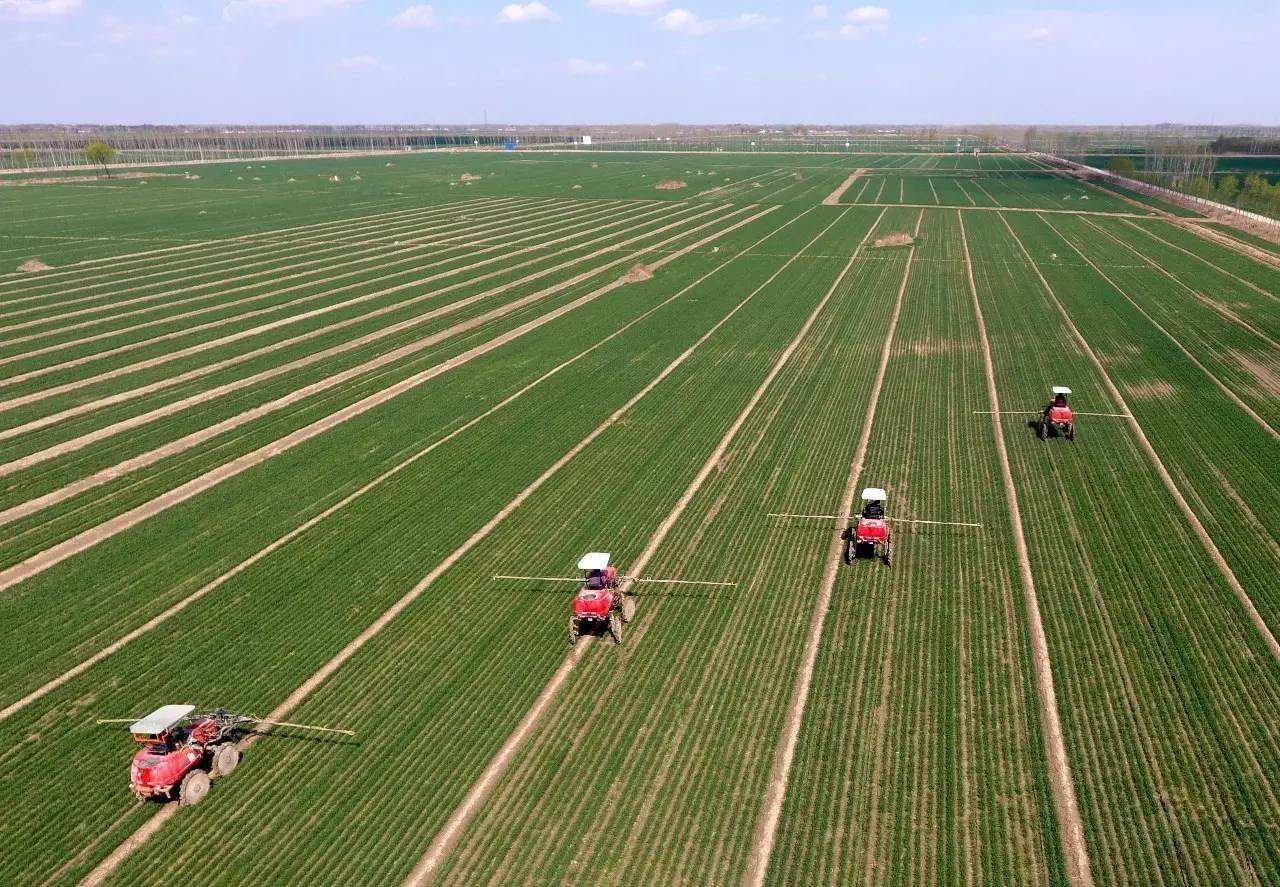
(1197, 527)
(77, 443)
(1066, 807)
(449, 834)
(1248, 283)
(1227, 314)
(86, 539)
(1231, 395)
(410, 227)
(283, 540)
(199, 347)
(108, 866)
(501, 249)
(771, 809)
(128, 258)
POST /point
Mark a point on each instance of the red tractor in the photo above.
(1057, 417)
(601, 601)
(870, 537)
(183, 751)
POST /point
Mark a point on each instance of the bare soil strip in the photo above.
(105, 868)
(203, 435)
(449, 834)
(1197, 527)
(1212, 304)
(1231, 395)
(1021, 209)
(190, 267)
(1246, 249)
(1203, 259)
(766, 830)
(1066, 807)
(177, 406)
(126, 258)
(412, 239)
(88, 538)
(640, 220)
(283, 540)
(833, 198)
(502, 250)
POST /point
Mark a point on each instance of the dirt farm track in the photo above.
(276, 436)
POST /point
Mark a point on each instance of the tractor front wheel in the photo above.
(615, 627)
(226, 758)
(195, 785)
(1043, 431)
(573, 630)
(1071, 431)
(888, 552)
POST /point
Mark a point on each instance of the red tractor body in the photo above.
(871, 531)
(1057, 418)
(601, 601)
(870, 536)
(158, 769)
(181, 752)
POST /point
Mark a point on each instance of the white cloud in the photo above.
(628, 6)
(819, 12)
(37, 9)
(363, 62)
(860, 22)
(1040, 35)
(282, 10)
(171, 26)
(587, 68)
(518, 13)
(682, 21)
(415, 17)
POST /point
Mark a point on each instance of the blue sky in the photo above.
(638, 61)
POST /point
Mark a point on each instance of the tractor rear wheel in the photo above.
(615, 627)
(573, 630)
(1043, 431)
(226, 758)
(628, 609)
(888, 552)
(1071, 431)
(195, 785)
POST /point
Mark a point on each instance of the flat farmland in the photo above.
(270, 433)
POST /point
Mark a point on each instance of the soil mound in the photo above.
(637, 274)
(894, 240)
(33, 265)
(671, 185)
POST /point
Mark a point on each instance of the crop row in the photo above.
(1164, 684)
(287, 410)
(921, 759)
(312, 597)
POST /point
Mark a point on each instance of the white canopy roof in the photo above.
(873, 494)
(1061, 389)
(163, 718)
(594, 560)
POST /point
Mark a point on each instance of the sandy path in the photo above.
(144, 256)
(833, 198)
(315, 312)
(1205, 260)
(766, 830)
(1197, 527)
(1245, 249)
(935, 192)
(212, 263)
(501, 249)
(238, 384)
(203, 435)
(88, 538)
(449, 834)
(283, 540)
(105, 868)
(1017, 209)
(1066, 807)
(1212, 304)
(1231, 395)
(410, 240)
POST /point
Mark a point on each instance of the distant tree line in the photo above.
(1253, 193)
(1244, 145)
